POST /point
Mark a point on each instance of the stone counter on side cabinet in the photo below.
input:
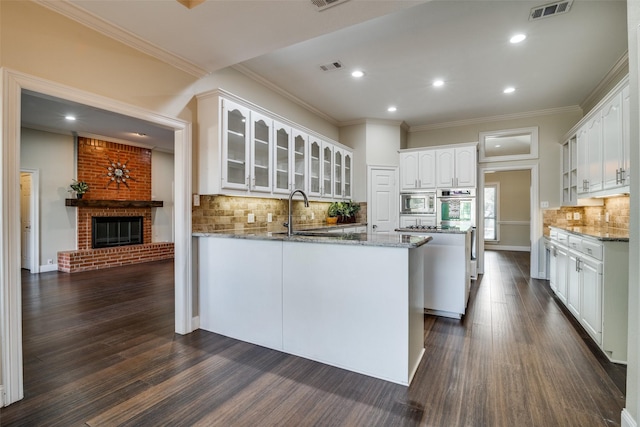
(355, 306)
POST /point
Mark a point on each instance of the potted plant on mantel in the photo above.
(80, 187)
(345, 212)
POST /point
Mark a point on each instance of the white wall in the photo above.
(53, 156)
(355, 136)
(162, 188)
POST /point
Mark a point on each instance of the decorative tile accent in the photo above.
(217, 213)
(591, 216)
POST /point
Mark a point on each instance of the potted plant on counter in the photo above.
(80, 187)
(348, 211)
(333, 212)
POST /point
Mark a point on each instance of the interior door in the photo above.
(383, 200)
(25, 220)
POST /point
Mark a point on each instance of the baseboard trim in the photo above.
(507, 248)
(626, 420)
(195, 323)
(48, 267)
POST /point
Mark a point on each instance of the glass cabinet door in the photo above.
(299, 161)
(261, 153)
(337, 178)
(314, 168)
(327, 170)
(282, 155)
(347, 175)
(235, 143)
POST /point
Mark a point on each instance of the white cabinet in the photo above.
(243, 150)
(418, 170)
(603, 142)
(612, 138)
(570, 172)
(235, 146)
(591, 304)
(299, 161)
(590, 277)
(417, 220)
(456, 167)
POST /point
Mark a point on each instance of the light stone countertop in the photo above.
(395, 240)
(609, 234)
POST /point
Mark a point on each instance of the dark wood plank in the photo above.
(100, 350)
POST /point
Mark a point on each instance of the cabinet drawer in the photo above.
(575, 243)
(592, 249)
(563, 238)
(553, 234)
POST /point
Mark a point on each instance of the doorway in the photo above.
(29, 221)
(11, 260)
(529, 232)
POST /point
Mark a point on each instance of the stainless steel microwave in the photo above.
(418, 203)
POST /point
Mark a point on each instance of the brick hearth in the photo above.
(94, 157)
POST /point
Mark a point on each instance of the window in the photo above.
(491, 212)
(507, 145)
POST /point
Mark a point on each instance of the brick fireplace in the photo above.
(113, 195)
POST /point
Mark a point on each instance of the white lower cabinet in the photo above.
(591, 304)
(417, 220)
(590, 277)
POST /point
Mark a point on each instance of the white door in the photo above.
(25, 219)
(383, 200)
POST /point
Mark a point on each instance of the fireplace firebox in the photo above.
(110, 231)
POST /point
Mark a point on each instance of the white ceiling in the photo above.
(401, 45)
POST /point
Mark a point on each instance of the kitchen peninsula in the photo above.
(351, 300)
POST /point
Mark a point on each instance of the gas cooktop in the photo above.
(426, 228)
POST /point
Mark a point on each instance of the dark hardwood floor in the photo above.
(99, 350)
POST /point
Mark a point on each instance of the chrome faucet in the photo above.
(289, 224)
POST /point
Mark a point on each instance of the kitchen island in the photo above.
(351, 300)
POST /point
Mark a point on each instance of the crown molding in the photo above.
(75, 13)
(277, 89)
(596, 93)
(479, 120)
(398, 123)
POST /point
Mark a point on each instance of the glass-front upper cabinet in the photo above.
(348, 175)
(261, 153)
(327, 170)
(299, 161)
(337, 177)
(315, 147)
(235, 140)
(282, 156)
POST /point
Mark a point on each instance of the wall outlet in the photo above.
(50, 261)
(251, 218)
(313, 216)
(544, 205)
(269, 217)
(568, 216)
(576, 215)
(196, 200)
(606, 217)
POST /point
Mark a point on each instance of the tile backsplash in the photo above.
(217, 213)
(594, 216)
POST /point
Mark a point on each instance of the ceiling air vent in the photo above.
(550, 9)
(331, 66)
(324, 4)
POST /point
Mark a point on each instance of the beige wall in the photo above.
(162, 188)
(52, 155)
(513, 206)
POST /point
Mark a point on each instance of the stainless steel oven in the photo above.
(420, 203)
(456, 207)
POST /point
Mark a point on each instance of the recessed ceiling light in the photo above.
(392, 109)
(438, 83)
(70, 117)
(518, 38)
(509, 90)
(498, 145)
(141, 134)
(357, 74)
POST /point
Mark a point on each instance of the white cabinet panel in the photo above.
(562, 262)
(427, 169)
(573, 285)
(235, 143)
(299, 161)
(261, 137)
(409, 170)
(612, 138)
(465, 170)
(445, 169)
(591, 307)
